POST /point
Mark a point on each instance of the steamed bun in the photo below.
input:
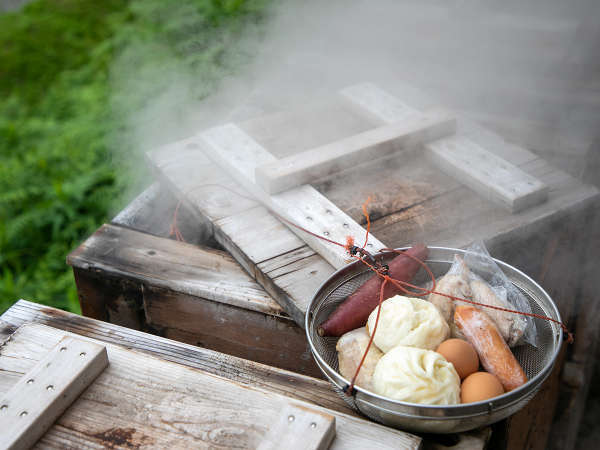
(415, 375)
(408, 321)
(351, 348)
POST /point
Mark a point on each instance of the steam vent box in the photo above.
(204, 255)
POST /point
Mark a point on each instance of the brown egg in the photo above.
(480, 386)
(461, 354)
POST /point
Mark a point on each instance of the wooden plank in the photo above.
(193, 270)
(378, 104)
(235, 151)
(109, 298)
(267, 339)
(214, 195)
(300, 429)
(242, 371)
(32, 405)
(161, 404)
(318, 163)
(486, 173)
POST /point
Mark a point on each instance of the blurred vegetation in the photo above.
(63, 119)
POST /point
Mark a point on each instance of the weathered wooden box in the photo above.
(130, 273)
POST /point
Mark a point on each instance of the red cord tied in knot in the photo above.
(349, 244)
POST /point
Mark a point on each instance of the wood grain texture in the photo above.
(253, 335)
(485, 172)
(239, 154)
(454, 215)
(149, 402)
(30, 407)
(186, 268)
(311, 165)
(109, 298)
(300, 429)
(218, 198)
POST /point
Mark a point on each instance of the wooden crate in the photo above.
(432, 207)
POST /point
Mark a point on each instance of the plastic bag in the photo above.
(490, 285)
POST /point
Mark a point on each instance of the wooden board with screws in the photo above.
(144, 401)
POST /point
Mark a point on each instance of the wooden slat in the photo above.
(142, 400)
(482, 170)
(41, 395)
(378, 104)
(300, 429)
(487, 174)
(318, 163)
(190, 269)
(235, 151)
(214, 195)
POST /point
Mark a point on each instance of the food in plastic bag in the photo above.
(495, 290)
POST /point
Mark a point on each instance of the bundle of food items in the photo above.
(429, 350)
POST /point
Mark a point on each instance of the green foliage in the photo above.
(63, 119)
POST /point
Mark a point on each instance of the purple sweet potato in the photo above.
(354, 311)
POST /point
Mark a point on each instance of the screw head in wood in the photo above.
(23, 414)
(82, 354)
(50, 387)
(291, 418)
(3, 407)
(63, 349)
(30, 381)
(313, 425)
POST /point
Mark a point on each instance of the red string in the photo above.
(366, 214)
(351, 387)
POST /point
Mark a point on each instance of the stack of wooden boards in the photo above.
(201, 296)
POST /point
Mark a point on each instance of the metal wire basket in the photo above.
(536, 362)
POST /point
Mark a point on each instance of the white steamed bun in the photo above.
(351, 348)
(408, 321)
(415, 375)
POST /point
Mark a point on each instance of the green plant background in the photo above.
(64, 120)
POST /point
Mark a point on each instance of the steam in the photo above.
(527, 70)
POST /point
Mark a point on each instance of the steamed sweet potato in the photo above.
(354, 311)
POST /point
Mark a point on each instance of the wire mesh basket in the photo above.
(537, 362)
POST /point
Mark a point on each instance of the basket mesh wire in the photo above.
(537, 361)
